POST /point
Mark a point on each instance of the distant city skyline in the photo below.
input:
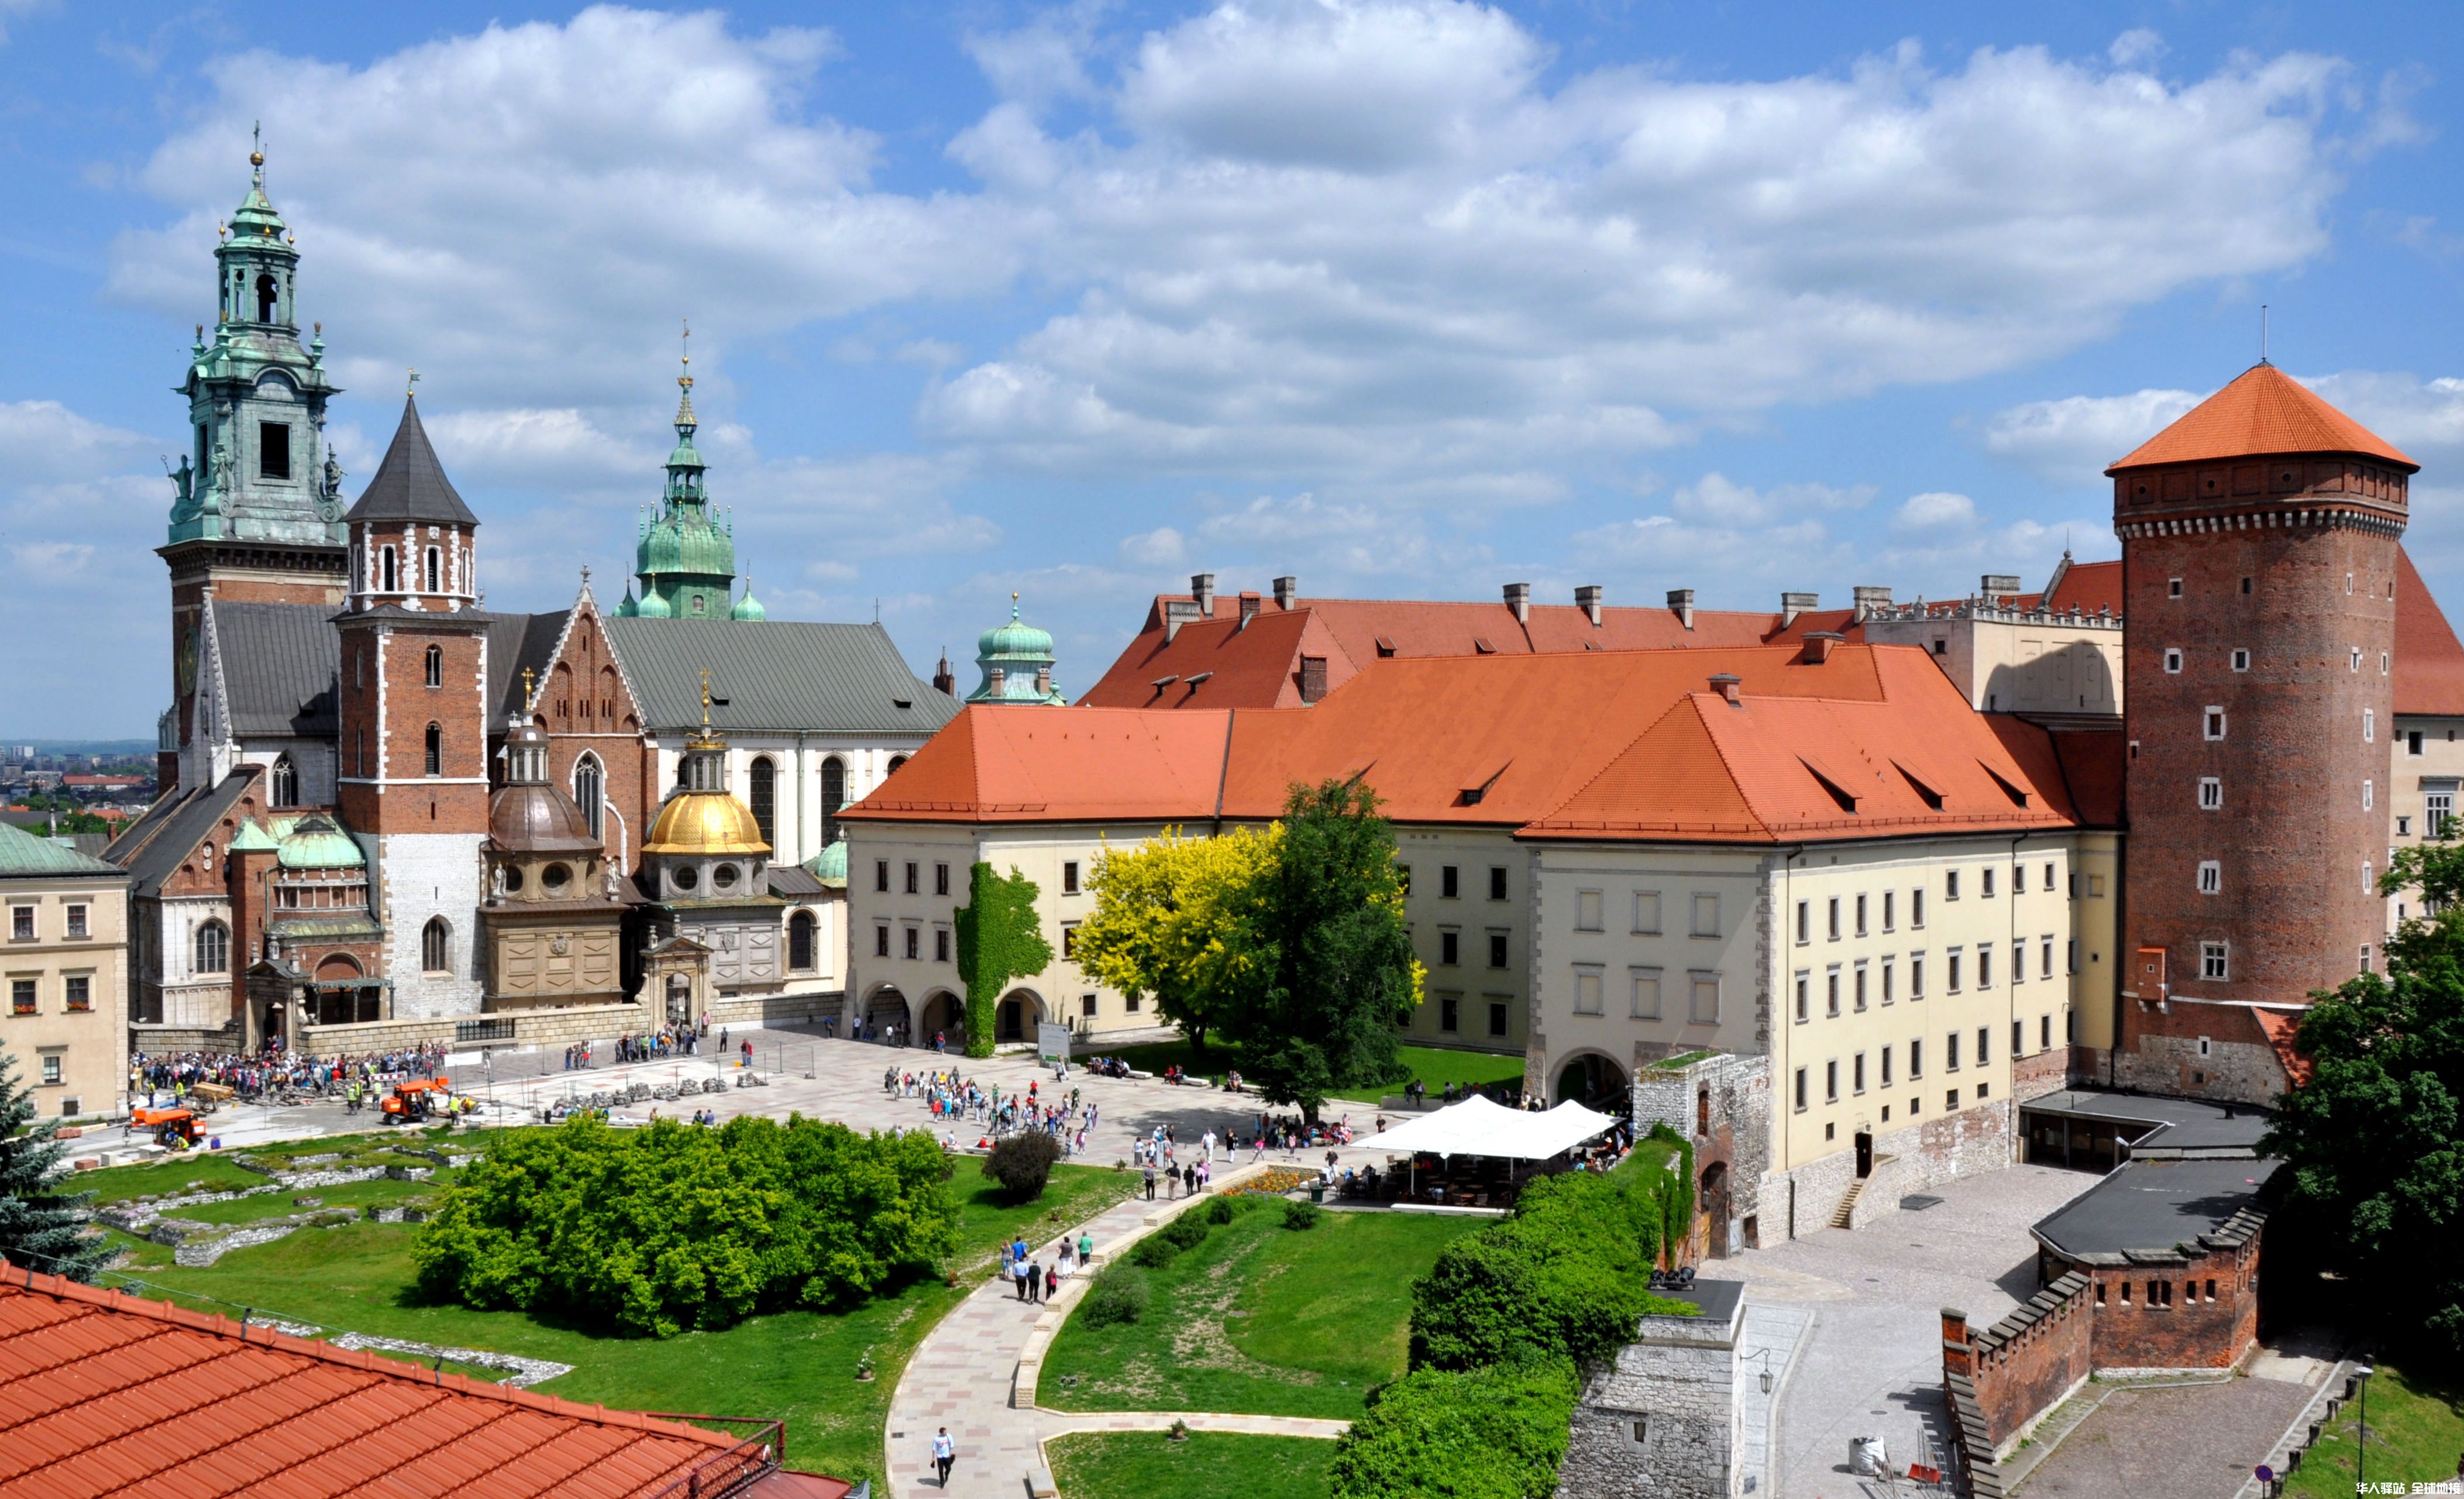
(1406, 299)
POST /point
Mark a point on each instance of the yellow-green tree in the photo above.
(1163, 912)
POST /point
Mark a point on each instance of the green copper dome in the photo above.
(316, 842)
(686, 559)
(1017, 663)
(830, 864)
(653, 606)
(748, 606)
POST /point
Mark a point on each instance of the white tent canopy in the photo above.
(1480, 1127)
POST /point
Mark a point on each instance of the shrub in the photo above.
(1301, 1215)
(1022, 1164)
(1154, 1251)
(1187, 1231)
(1496, 1433)
(1220, 1210)
(1118, 1295)
(651, 1231)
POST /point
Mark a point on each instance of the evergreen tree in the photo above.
(38, 1224)
(1328, 971)
(1001, 937)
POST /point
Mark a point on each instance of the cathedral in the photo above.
(389, 815)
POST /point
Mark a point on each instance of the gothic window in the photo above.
(435, 582)
(285, 783)
(588, 792)
(273, 449)
(799, 940)
(388, 581)
(833, 798)
(435, 662)
(213, 948)
(435, 751)
(435, 946)
(764, 790)
(266, 298)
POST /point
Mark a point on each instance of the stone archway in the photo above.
(944, 1013)
(887, 1007)
(1714, 1208)
(1595, 1080)
(1016, 1015)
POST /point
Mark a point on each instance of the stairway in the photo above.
(1844, 1216)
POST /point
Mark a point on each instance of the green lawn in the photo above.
(2417, 1431)
(1259, 1318)
(384, 1192)
(1435, 1066)
(797, 1365)
(1211, 1465)
(187, 1173)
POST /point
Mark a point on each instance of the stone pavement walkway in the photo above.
(1769, 1340)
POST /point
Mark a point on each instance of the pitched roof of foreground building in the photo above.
(1856, 741)
(105, 1394)
(2263, 411)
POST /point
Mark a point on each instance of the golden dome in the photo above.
(705, 822)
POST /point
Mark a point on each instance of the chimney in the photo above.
(1725, 684)
(1680, 603)
(1871, 601)
(1957, 1351)
(1201, 586)
(944, 680)
(1995, 586)
(1791, 605)
(1587, 599)
(1288, 592)
(1818, 644)
(997, 677)
(1043, 681)
(1249, 602)
(1518, 598)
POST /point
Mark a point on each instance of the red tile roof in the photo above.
(2264, 410)
(1260, 665)
(1588, 744)
(2088, 587)
(2283, 1029)
(2428, 659)
(104, 1394)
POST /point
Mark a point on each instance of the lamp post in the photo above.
(1764, 1354)
(2361, 1430)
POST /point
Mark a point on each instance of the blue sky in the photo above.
(1408, 298)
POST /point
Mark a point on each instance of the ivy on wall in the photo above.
(999, 938)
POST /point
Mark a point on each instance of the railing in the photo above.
(498, 1027)
(731, 1471)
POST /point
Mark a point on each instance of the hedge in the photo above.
(648, 1233)
(1494, 1433)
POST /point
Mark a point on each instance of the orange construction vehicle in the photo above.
(414, 1098)
(176, 1128)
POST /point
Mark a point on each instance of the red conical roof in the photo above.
(2264, 412)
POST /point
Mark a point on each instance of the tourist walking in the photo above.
(1151, 1182)
(944, 1453)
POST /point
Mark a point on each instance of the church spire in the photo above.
(686, 559)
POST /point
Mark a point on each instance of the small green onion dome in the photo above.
(653, 606)
(1014, 640)
(748, 606)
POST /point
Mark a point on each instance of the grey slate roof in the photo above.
(2174, 1124)
(516, 641)
(794, 881)
(282, 663)
(775, 675)
(2152, 1206)
(163, 838)
(411, 484)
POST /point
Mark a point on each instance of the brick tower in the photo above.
(2259, 545)
(256, 512)
(414, 721)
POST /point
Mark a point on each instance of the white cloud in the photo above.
(2424, 418)
(1716, 500)
(2136, 48)
(1160, 548)
(51, 559)
(43, 441)
(2072, 439)
(1935, 511)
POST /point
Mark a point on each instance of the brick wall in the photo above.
(2027, 1363)
(387, 709)
(2046, 1072)
(2238, 1063)
(2171, 1320)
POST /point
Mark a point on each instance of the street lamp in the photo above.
(1764, 1354)
(2361, 1432)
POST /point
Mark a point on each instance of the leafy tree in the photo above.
(1162, 913)
(1022, 1164)
(38, 1222)
(2374, 1143)
(1494, 1433)
(1001, 937)
(1325, 959)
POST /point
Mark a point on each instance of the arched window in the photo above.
(391, 583)
(435, 749)
(799, 940)
(436, 666)
(764, 797)
(896, 761)
(589, 791)
(213, 948)
(435, 571)
(833, 798)
(265, 298)
(436, 946)
(283, 786)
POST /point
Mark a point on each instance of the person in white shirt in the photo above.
(944, 1453)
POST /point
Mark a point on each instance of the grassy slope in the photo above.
(2416, 1431)
(1148, 1464)
(1259, 1318)
(797, 1365)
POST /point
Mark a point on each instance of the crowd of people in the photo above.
(649, 1045)
(1037, 1281)
(952, 1099)
(174, 1078)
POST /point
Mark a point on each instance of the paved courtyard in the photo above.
(1872, 1363)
